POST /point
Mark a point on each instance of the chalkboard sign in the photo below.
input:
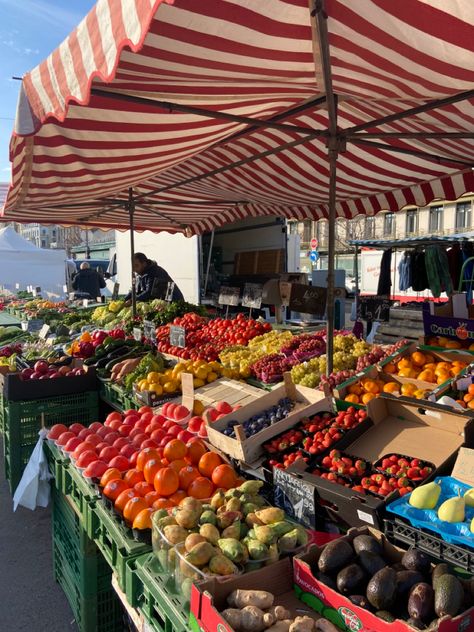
(137, 334)
(149, 330)
(33, 326)
(295, 495)
(252, 296)
(177, 336)
(115, 291)
(229, 295)
(308, 299)
(375, 308)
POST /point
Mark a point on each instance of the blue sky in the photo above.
(29, 31)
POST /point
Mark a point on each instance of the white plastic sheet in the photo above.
(33, 489)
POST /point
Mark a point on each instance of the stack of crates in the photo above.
(22, 422)
(82, 572)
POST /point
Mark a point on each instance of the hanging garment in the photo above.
(419, 280)
(404, 272)
(455, 261)
(467, 253)
(385, 278)
(437, 270)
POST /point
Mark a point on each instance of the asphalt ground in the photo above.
(30, 599)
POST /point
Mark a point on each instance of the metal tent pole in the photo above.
(131, 211)
(208, 263)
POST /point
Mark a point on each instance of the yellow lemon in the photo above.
(198, 383)
(156, 388)
(212, 377)
(153, 377)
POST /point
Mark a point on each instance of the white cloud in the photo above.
(43, 11)
(6, 169)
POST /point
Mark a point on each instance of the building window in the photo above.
(412, 221)
(43, 243)
(388, 224)
(463, 215)
(369, 228)
(436, 219)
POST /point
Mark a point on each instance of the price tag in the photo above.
(375, 308)
(137, 334)
(17, 286)
(252, 295)
(177, 336)
(229, 295)
(85, 302)
(149, 330)
(295, 496)
(308, 299)
(115, 291)
(44, 331)
(34, 325)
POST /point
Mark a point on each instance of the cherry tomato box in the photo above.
(400, 426)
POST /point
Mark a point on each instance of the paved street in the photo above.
(30, 600)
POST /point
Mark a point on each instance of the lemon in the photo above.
(144, 386)
(198, 383)
(156, 388)
(212, 377)
(201, 373)
(153, 377)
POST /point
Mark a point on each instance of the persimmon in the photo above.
(224, 476)
(133, 508)
(143, 488)
(114, 488)
(151, 497)
(152, 466)
(187, 474)
(143, 519)
(144, 455)
(367, 397)
(195, 450)
(178, 496)
(123, 498)
(175, 450)
(166, 481)
(112, 474)
(163, 503)
(201, 488)
(208, 463)
(178, 465)
(134, 476)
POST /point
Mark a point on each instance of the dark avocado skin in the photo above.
(335, 556)
(406, 580)
(449, 596)
(361, 601)
(421, 602)
(351, 579)
(415, 560)
(366, 543)
(382, 589)
(438, 571)
(371, 562)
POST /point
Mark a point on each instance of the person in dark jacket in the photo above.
(88, 281)
(148, 272)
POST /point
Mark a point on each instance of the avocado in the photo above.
(406, 580)
(382, 589)
(361, 601)
(398, 567)
(366, 543)
(325, 579)
(417, 624)
(415, 560)
(371, 562)
(449, 596)
(421, 602)
(351, 579)
(438, 571)
(335, 556)
(385, 615)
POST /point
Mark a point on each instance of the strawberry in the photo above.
(393, 458)
(360, 465)
(425, 472)
(413, 472)
(358, 488)
(403, 462)
(404, 490)
(353, 472)
(386, 463)
(415, 463)
(366, 482)
(374, 489)
(403, 482)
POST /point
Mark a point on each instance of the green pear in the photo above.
(469, 497)
(426, 496)
(452, 510)
(472, 526)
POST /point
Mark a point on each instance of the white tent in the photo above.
(23, 264)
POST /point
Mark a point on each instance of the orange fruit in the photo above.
(224, 476)
(426, 375)
(442, 379)
(355, 389)
(370, 386)
(418, 358)
(453, 344)
(143, 488)
(187, 475)
(145, 455)
(201, 488)
(391, 387)
(208, 463)
(354, 399)
(461, 403)
(143, 519)
(163, 503)
(178, 465)
(151, 497)
(195, 450)
(429, 358)
(366, 397)
(406, 372)
(471, 404)
(404, 363)
(166, 481)
(123, 498)
(389, 368)
(112, 474)
(151, 468)
(468, 397)
(132, 477)
(470, 389)
(133, 508)
(114, 488)
(178, 496)
(408, 389)
(174, 450)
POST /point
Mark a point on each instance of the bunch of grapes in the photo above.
(307, 373)
(342, 361)
(370, 358)
(396, 347)
(335, 378)
(345, 342)
(361, 348)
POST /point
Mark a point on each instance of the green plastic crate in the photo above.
(57, 463)
(156, 599)
(71, 544)
(78, 490)
(22, 421)
(100, 612)
(112, 395)
(113, 539)
(2, 415)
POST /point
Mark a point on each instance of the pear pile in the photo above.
(452, 510)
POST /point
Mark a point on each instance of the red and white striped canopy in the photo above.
(82, 138)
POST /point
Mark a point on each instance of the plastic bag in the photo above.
(33, 489)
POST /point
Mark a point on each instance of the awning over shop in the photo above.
(214, 111)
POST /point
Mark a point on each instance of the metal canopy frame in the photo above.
(335, 139)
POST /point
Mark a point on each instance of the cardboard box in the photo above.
(401, 426)
(209, 598)
(454, 307)
(461, 329)
(308, 402)
(440, 354)
(346, 615)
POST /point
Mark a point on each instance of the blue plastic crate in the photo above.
(456, 533)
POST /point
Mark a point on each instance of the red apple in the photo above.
(184, 435)
(158, 419)
(41, 367)
(125, 430)
(146, 417)
(103, 432)
(165, 440)
(170, 410)
(85, 433)
(142, 425)
(26, 374)
(94, 439)
(158, 434)
(130, 420)
(139, 439)
(133, 459)
(134, 432)
(167, 424)
(111, 436)
(120, 442)
(115, 424)
(195, 423)
(64, 437)
(76, 428)
(223, 408)
(95, 427)
(203, 432)
(83, 447)
(180, 412)
(148, 443)
(174, 430)
(101, 446)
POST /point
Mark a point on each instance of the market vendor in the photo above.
(147, 272)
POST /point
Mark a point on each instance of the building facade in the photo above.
(42, 236)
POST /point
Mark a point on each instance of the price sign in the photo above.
(375, 308)
(177, 336)
(34, 325)
(36, 291)
(149, 331)
(308, 299)
(85, 302)
(17, 286)
(65, 289)
(115, 291)
(295, 495)
(44, 331)
(137, 334)
(170, 291)
(252, 296)
(229, 295)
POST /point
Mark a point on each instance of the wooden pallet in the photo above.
(404, 323)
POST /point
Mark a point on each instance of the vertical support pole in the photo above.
(330, 307)
(131, 212)
(356, 275)
(208, 262)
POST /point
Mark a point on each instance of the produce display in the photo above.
(423, 366)
(392, 584)
(241, 358)
(43, 370)
(262, 420)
